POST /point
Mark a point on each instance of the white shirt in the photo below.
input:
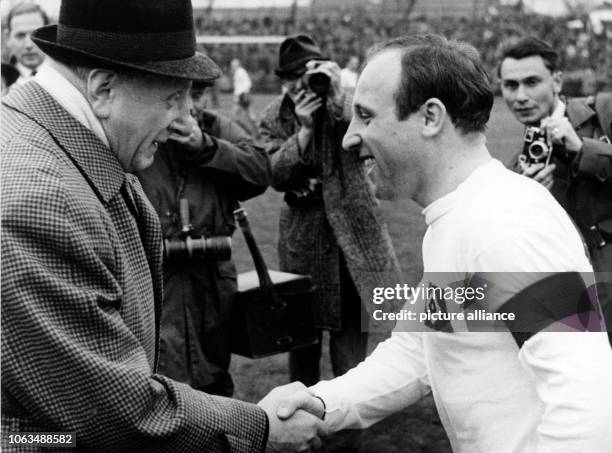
(242, 81)
(69, 97)
(554, 394)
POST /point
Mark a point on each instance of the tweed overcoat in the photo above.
(81, 297)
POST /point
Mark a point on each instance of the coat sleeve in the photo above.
(70, 360)
(595, 160)
(240, 165)
(290, 166)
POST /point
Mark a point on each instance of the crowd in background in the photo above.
(343, 34)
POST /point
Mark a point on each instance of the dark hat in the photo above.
(10, 74)
(157, 37)
(294, 53)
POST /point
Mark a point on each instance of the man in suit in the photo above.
(81, 245)
(21, 21)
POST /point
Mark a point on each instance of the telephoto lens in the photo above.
(216, 248)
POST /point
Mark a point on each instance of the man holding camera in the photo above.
(330, 226)
(567, 147)
(194, 183)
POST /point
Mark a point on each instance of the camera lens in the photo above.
(538, 150)
(217, 248)
(319, 84)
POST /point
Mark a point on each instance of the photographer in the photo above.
(330, 226)
(576, 165)
(208, 163)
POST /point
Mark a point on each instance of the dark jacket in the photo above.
(81, 297)
(346, 220)
(198, 294)
(583, 185)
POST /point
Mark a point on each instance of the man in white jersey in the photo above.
(420, 109)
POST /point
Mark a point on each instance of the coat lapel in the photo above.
(579, 113)
(94, 160)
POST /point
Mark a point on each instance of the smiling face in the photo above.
(139, 114)
(390, 147)
(529, 88)
(19, 43)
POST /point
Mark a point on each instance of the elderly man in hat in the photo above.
(81, 245)
(330, 224)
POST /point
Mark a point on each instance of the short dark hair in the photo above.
(528, 47)
(435, 67)
(25, 8)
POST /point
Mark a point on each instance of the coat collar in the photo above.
(579, 112)
(94, 160)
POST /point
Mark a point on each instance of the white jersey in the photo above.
(554, 394)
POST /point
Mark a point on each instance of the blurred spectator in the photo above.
(348, 74)
(242, 98)
(21, 21)
(343, 35)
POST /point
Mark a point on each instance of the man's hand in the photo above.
(187, 133)
(331, 70)
(561, 131)
(293, 427)
(306, 103)
(540, 172)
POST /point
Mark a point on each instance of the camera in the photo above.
(537, 148)
(317, 82)
(217, 248)
(304, 196)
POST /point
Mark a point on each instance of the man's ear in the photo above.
(101, 91)
(433, 113)
(558, 81)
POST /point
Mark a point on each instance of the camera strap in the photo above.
(265, 282)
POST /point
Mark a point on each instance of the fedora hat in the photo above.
(156, 37)
(294, 53)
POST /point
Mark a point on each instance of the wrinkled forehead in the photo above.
(157, 83)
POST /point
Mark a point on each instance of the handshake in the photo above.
(296, 419)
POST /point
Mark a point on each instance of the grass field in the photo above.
(416, 429)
